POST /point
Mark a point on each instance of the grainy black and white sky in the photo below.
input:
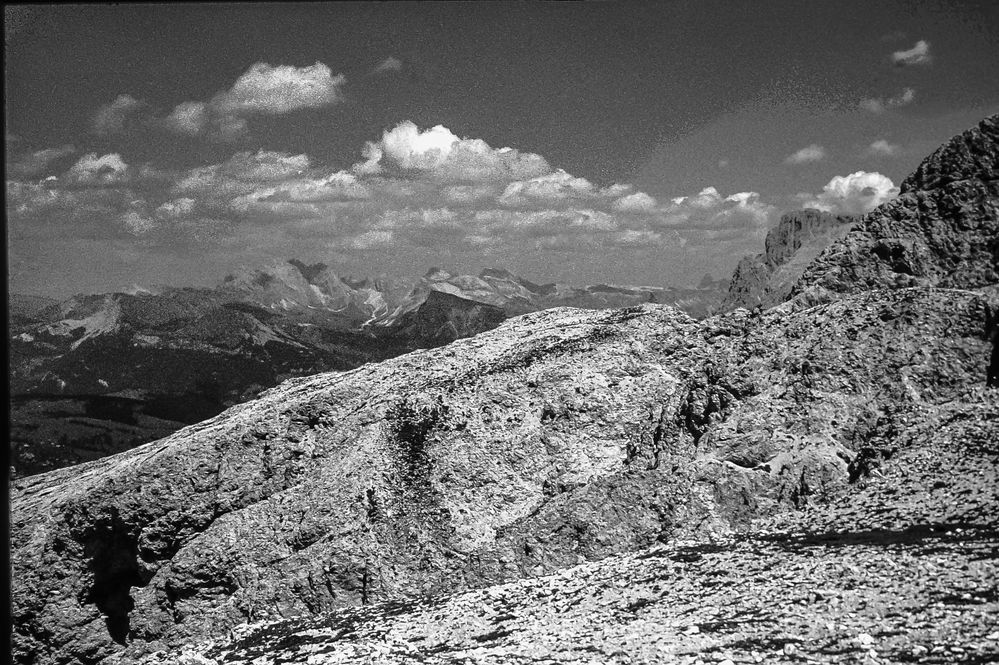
(625, 142)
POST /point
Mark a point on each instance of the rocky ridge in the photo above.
(942, 229)
(562, 438)
(798, 237)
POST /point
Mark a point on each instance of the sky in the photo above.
(604, 142)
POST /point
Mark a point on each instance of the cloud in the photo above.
(441, 155)
(112, 118)
(278, 90)
(175, 209)
(388, 65)
(416, 191)
(241, 174)
(637, 202)
(548, 190)
(191, 118)
(917, 55)
(92, 169)
(262, 90)
(709, 215)
(882, 104)
(38, 162)
(853, 194)
(882, 148)
(808, 154)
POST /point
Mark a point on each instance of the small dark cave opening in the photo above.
(112, 551)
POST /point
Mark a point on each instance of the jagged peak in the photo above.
(972, 154)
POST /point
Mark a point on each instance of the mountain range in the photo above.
(810, 481)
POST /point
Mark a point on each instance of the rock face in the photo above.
(561, 437)
(516, 295)
(766, 279)
(900, 562)
(442, 318)
(942, 230)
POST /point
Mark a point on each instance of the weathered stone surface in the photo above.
(897, 567)
(766, 279)
(942, 230)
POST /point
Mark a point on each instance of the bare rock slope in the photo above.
(798, 237)
(567, 441)
(942, 230)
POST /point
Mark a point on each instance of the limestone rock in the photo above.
(942, 230)
(766, 279)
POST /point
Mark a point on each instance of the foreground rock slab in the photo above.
(886, 572)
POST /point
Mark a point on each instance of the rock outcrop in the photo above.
(897, 567)
(562, 438)
(766, 279)
(942, 229)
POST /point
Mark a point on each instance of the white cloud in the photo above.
(637, 202)
(36, 163)
(136, 223)
(389, 64)
(879, 105)
(417, 189)
(853, 194)
(92, 169)
(112, 118)
(808, 154)
(262, 90)
(175, 209)
(280, 89)
(442, 155)
(743, 214)
(547, 190)
(917, 55)
(189, 118)
(882, 148)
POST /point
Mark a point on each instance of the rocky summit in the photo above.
(815, 481)
(766, 279)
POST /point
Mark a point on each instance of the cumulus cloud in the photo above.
(637, 202)
(388, 65)
(37, 163)
(917, 55)
(417, 189)
(882, 148)
(547, 190)
(708, 215)
(175, 209)
(440, 154)
(879, 105)
(808, 154)
(112, 117)
(278, 90)
(241, 174)
(191, 118)
(262, 90)
(853, 194)
(92, 169)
